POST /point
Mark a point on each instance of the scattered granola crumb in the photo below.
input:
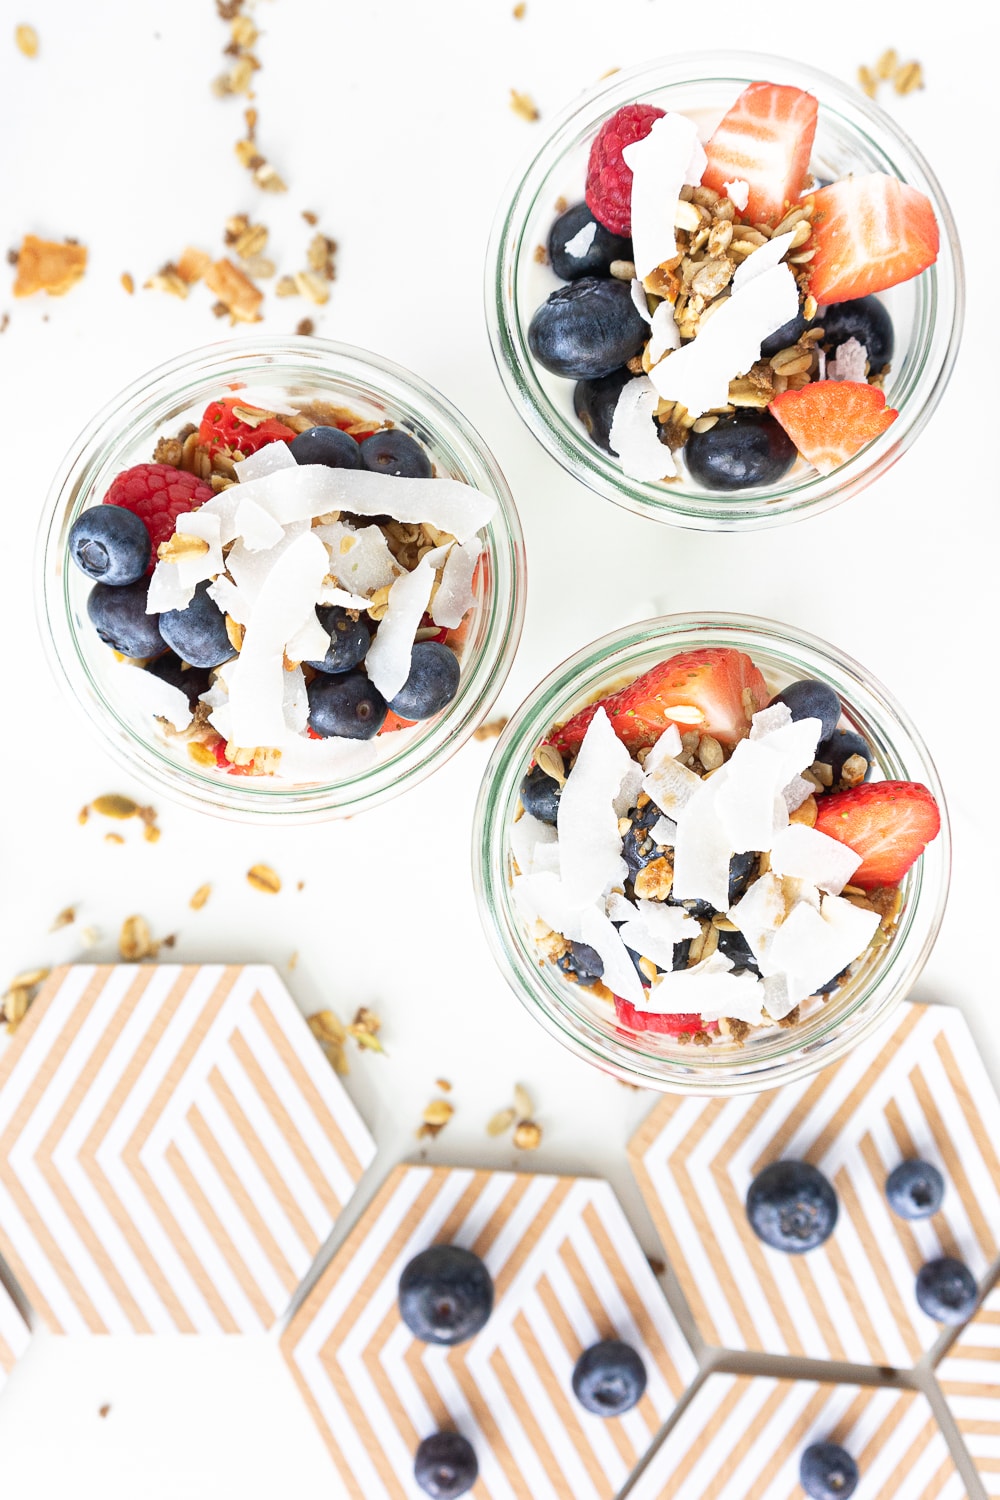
(135, 941)
(102, 1411)
(522, 1102)
(26, 38)
(519, 10)
(491, 730)
(48, 266)
(90, 936)
(309, 216)
(300, 885)
(4, 322)
(167, 279)
(501, 1122)
(199, 898)
(904, 77)
(305, 328)
(264, 174)
(527, 1135)
(128, 282)
(523, 105)
(867, 81)
(263, 878)
(887, 63)
(293, 961)
(365, 1029)
(19, 995)
(193, 264)
(436, 1116)
(65, 918)
(234, 289)
(443, 1084)
(113, 838)
(112, 805)
(908, 78)
(331, 1035)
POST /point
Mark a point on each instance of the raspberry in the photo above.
(609, 180)
(158, 494)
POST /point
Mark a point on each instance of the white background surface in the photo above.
(390, 119)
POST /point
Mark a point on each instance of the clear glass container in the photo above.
(853, 135)
(587, 1025)
(279, 371)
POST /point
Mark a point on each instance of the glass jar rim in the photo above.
(940, 323)
(280, 360)
(798, 1051)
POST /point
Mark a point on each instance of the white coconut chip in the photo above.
(282, 606)
(173, 584)
(620, 909)
(782, 993)
(670, 785)
(661, 163)
(794, 745)
(640, 300)
(766, 720)
(815, 945)
(388, 660)
(310, 642)
(534, 845)
(630, 788)
(849, 362)
(809, 855)
(708, 989)
(258, 530)
(619, 970)
(702, 850)
(331, 594)
(310, 490)
(228, 597)
(455, 597)
(748, 797)
(762, 259)
(664, 333)
(667, 747)
(159, 699)
(581, 242)
(250, 570)
(295, 705)
(360, 559)
(698, 374)
(656, 930)
(664, 832)
(633, 435)
(759, 914)
(796, 792)
(267, 460)
(738, 193)
(542, 897)
(590, 844)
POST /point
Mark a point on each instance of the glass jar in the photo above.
(276, 371)
(853, 135)
(587, 1025)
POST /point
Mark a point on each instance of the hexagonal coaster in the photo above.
(742, 1438)
(567, 1271)
(15, 1334)
(969, 1376)
(917, 1088)
(174, 1149)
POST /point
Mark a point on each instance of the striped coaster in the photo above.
(743, 1436)
(970, 1377)
(174, 1149)
(14, 1334)
(567, 1271)
(917, 1088)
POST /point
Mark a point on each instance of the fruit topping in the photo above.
(349, 635)
(594, 402)
(792, 1207)
(946, 1290)
(914, 1189)
(810, 699)
(888, 823)
(583, 964)
(764, 140)
(831, 420)
(869, 233)
(580, 246)
(445, 1295)
(393, 451)
(241, 428)
(587, 329)
(120, 619)
(828, 1472)
(198, 633)
(110, 544)
(445, 1466)
(347, 706)
(864, 319)
(431, 683)
(326, 445)
(609, 1378)
(158, 494)
(540, 795)
(609, 180)
(191, 681)
(742, 451)
(849, 757)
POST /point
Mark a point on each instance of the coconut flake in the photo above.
(670, 785)
(310, 642)
(455, 597)
(748, 797)
(173, 584)
(310, 490)
(161, 700)
(667, 747)
(764, 258)
(330, 594)
(388, 660)
(759, 914)
(534, 845)
(698, 374)
(295, 704)
(620, 909)
(360, 559)
(813, 945)
(766, 720)
(267, 460)
(258, 530)
(640, 301)
(587, 822)
(850, 362)
(796, 792)
(543, 898)
(809, 855)
(281, 608)
(630, 788)
(661, 163)
(633, 435)
(782, 994)
(619, 970)
(664, 832)
(664, 333)
(708, 988)
(656, 929)
(702, 850)
(738, 193)
(581, 242)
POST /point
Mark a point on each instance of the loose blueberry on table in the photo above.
(783, 269)
(619, 872)
(792, 1207)
(609, 1378)
(828, 1472)
(445, 1295)
(946, 1290)
(180, 561)
(445, 1466)
(915, 1189)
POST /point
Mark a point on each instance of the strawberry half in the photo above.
(765, 140)
(869, 233)
(646, 1020)
(831, 420)
(889, 823)
(232, 423)
(716, 691)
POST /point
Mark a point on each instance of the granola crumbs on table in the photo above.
(905, 77)
(519, 10)
(527, 1135)
(65, 918)
(331, 1035)
(305, 328)
(128, 282)
(364, 1029)
(135, 941)
(523, 106)
(50, 266)
(491, 730)
(263, 878)
(102, 1411)
(436, 1116)
(26, 40)
(501, 1122)
(444, 1084)
(199, 898)
(19, 995)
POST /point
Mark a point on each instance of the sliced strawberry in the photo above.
(716, 690)
(869, 233)
(765, 140)
(889, 823)
(235, 424)
(643, 1020)
(393, 722)
(831, 420)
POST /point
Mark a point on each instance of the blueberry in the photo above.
(831, 984)
(809, 699)
(791, 1207)
(540, 795)
(110, 544)
(914, 1189)
(118, 614)
(346, 707)
(198, 634)
(784, 337)
(609, 1378)
(432, 682)
(838, 748)
(349, 639)
(681, 954)
(445, 1295)
(191, 680)
(326, 445)
(638, 846)
(946, 1290)
(828, 1472)
(740, 452)
(445, 1466)
(595, 260)
(736, 948)
(594, 402)
(587, 329)
(583, 962)
(866, 320)
(394, 452)
(741, 867)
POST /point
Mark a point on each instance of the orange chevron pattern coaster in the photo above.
(567, 1271)
(743, 1436)
(14, 1334)
(174, 1149)
(969, 1376)
(917, 1088)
